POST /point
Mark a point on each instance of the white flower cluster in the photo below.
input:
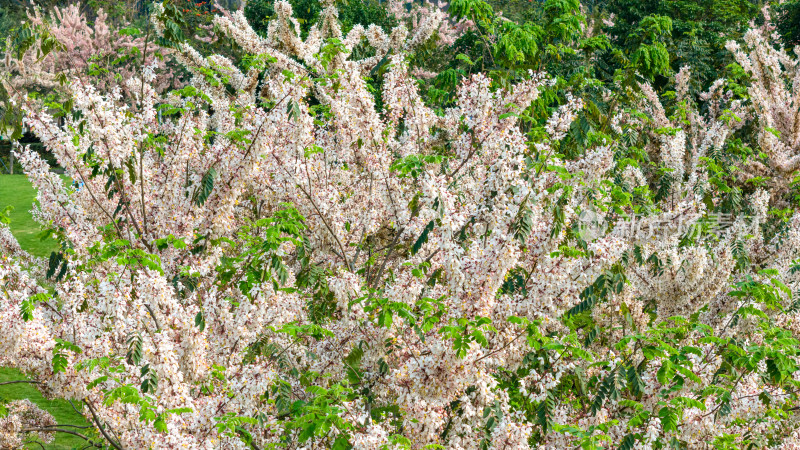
(24, 423)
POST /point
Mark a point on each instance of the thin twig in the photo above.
(60, 430)
(19, 381)
(153, 315)
(116, 445)
(35, 442)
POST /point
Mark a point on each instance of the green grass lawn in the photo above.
(15, 190)
(60, 409)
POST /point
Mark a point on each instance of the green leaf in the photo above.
(27, 306)
(160, 424)
(669, 419)
(53, 264)
(465, 58)
(422, 239)
(635, 381)
(544, 412)
(627, 442)
(96, 382)
(206, 186)
(353, 359)
(200, 321)
(134, 354)
(59, 363)
(688, 402)
(666, 372)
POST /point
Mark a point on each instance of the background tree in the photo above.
(697, 35)
(788, 22)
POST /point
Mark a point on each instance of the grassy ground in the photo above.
(60, 409)
(15, 190)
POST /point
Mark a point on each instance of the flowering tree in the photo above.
(775, 95)
(449, 29)
(275, 261)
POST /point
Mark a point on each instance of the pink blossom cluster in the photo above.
(82, 47)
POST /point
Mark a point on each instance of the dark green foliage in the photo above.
(605, 285)
(260, 12)
(545, 411)
(351, 13)
(10, 17)
(423, 238)
(627, 442)
(698, 33)
(544, 41)
(206, 186)
(788, 22)
(364, 13)
(134, 355)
